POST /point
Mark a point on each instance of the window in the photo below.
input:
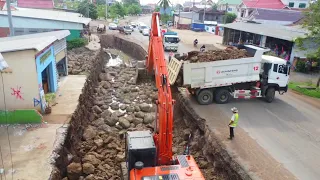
(275, 68)
(302, 5)
(229, 9)
(291, 4)
(283, 69)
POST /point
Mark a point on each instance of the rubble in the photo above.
(215, 55)
(80, 60)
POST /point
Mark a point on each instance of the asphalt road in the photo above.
(288, 128)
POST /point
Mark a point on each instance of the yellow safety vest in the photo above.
(235, 122)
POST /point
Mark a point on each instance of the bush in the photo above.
(301, 66)
(308, 92)
(75, 43)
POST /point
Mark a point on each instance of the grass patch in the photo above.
(312, 93)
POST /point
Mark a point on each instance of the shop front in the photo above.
(47, 75)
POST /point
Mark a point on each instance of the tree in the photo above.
(117, 10)
(164, 4)
(229, 18)
(101, 9)
(88, 10)
(179, 6)
(214, 7)
(131, 1)
(134, 9)
(312, 24)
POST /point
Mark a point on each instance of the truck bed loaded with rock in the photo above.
(218, 75)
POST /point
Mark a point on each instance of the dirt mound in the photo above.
(216, 55)
(80, 60)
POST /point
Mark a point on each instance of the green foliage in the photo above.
(157, 9)
(308, 92)
(214, 7)
(301, 66)
(117, 10)
(70, 5)
(229, 18)
(50, 97)
(83, 9)
(101, 9)
(165, 18)
(75, 43)
(131, 2)
(134, 9)
(312, 24)
(164, 4)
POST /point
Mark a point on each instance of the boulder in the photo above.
(124, 122)
(186, 134)
(123, 107)
(130, 118)
(137, 121)
(105, 128)
(130, 109)
(97, 109)
(105, 114)
(126, 101)
(90, 158)
(98, 122)
(118, 113)
(88, 168)
(90, 177)
(74, 171)
(139, 114)
(98, 142)
(111, 121)
(149, 118)
(137, 108)
(89, 133)
(114, 106)
(105, 84)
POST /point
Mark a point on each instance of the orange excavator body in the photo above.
(167, 166)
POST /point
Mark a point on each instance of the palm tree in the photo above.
(164, 4)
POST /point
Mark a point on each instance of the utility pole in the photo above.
(204, 12)
(88, 13)
(107, 9)
(10, 18)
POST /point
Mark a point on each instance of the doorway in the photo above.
(47, 79)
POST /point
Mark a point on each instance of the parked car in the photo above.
(170, 23)
(131, 27)
(146, 32)
(142, 27)
(113, 26)
(133, 24)
(124, 30)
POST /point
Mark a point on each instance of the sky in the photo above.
(172, 1)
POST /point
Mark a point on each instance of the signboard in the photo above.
(45, 56)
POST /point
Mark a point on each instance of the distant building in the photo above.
(40, 4)
(296, 4)
(229, 5)
(3, 6)
(152, 6)
(35, 62)
(275, 16)
(30, 21)
(248, 6)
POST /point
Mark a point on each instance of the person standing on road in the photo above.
(233, 122)
(170, 56)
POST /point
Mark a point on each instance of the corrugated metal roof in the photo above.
(280, 32)
(270, 4)
(48, 14)
(278, 15)
(31, 41)
(232, 2)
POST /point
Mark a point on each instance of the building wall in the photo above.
(22, 22)
(182, 20)
(4, 32)
(295, 3)
(20, 86)
(232, 8)
(271, 22)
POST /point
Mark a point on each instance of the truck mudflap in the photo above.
(174, 69)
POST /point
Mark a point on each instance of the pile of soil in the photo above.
(216, 55)
(80, 60)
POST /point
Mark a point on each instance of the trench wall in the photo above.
(65, 151)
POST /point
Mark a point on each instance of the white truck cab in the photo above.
(170, 41)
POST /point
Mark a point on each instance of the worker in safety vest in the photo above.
(233, 122)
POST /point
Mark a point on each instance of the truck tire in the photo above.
(222, 96)
(270, 94)
(205, 97)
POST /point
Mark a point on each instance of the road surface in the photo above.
(288, 129)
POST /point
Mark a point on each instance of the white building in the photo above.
(296, 4)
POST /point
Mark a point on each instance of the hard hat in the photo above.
(234, 109)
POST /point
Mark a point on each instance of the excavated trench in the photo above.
(115, 100)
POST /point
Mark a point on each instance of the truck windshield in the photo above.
(171, 39)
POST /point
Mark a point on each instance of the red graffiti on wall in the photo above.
(17, 93)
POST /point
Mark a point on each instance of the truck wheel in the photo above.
(205, 97)
(222, 96)
(270, 94)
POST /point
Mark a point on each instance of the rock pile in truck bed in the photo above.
(216, 55)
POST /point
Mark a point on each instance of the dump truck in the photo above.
(253, 76)
(170, 41)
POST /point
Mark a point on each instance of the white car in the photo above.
(133, 24)
(132, 28)
(113, 26)
(142, 27)
(146, 32)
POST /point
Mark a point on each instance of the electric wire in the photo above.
(5, 109)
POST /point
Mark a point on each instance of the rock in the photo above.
(145, 107)
(126, 101)
(120, 158)
(89, 158)
(118, 113)
(203, 164)
(74, 171)
(98, 142)
(124, 123)
(186, 134)
(149, 118)
(89, 133)
(99, 103)
(123, 107)
(108, 101)
(98, 122)
(143, 97)
(105, 128)
(65, 178)
(88, 168)
(130, 118)
(90, 177)
(114, 106)
(111, 121)
(104, 107)
(97, 109)
(105, 114)
(130, 109)
(137, 121)
(139, 114)
(137, 108)
(115, 85)
(105, 84)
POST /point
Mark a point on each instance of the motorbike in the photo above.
(195, 43)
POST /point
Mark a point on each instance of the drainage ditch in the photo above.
(115, 100)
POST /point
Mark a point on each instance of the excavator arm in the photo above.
(156, 64)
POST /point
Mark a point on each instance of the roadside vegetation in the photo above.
(76, 43)
(307, 89)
